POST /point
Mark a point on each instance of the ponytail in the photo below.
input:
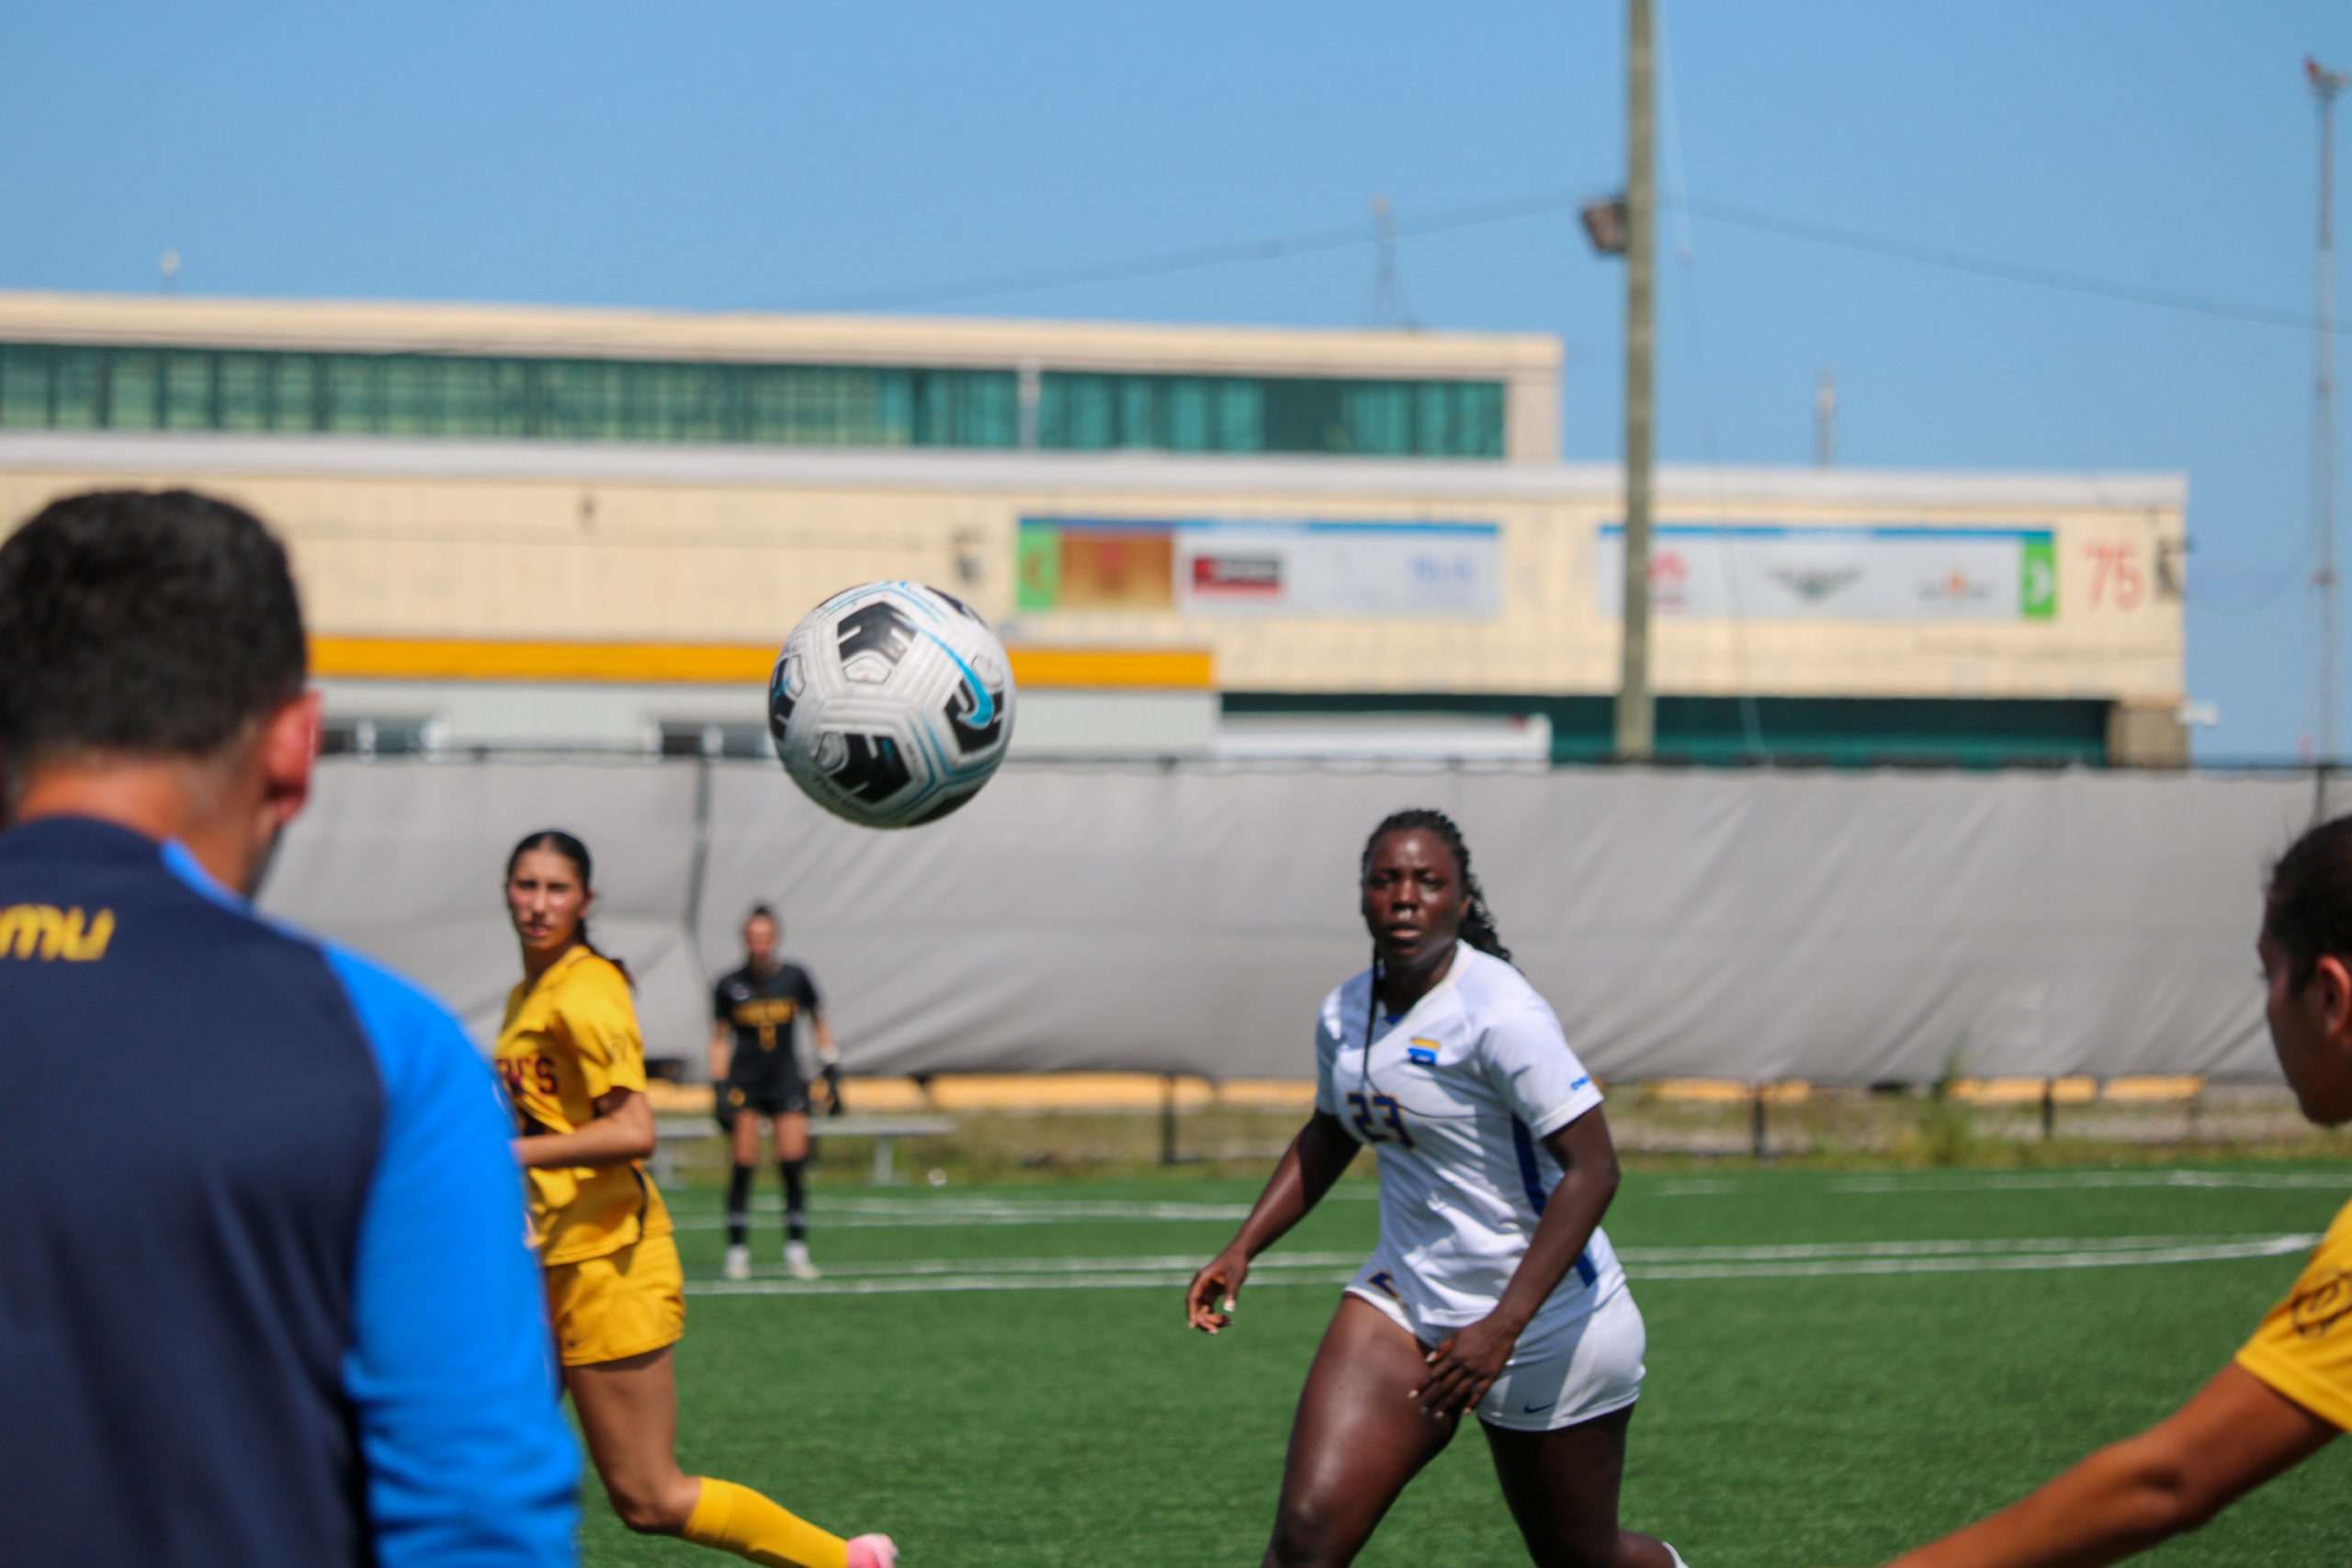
(558, 842)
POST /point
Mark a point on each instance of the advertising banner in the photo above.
(1764, 572)
(1255, 568)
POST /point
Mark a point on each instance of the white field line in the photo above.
(848, 1212)
(1978, 1246)
(954, 1283)
(1981, 1263)
(1174, 1263)
(870, 1214)
(1005, 1215)
(2035, 1182)
(1799, 1261)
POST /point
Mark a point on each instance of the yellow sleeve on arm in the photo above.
(600, 1016)
(2304, 1349)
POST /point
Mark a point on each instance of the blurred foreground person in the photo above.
(573, 1061)
(275, 1311)
(2288, 1391)
(756, 1070)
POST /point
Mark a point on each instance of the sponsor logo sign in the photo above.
(1243, 578)
(1299, 568)
(1890, 573)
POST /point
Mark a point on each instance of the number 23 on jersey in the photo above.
(1378, 1119)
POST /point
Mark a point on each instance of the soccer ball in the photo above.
(891, 705)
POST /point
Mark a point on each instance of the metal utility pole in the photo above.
(1029, 394)
(1824, 420)
(1388, 306)
(2325, 84)
(1637, 715)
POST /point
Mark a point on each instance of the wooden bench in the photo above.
(884, 1130)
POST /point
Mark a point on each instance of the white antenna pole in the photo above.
(1388, 308)
(1824, 420)
(2325, 84)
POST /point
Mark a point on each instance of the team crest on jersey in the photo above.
(2319, 1307)
(1421, 1052)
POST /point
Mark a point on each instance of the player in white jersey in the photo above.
(1493, 1288)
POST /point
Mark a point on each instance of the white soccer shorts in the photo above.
(1564, 1370)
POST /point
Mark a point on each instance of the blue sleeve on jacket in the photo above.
(451, 1369)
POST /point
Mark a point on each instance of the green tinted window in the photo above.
(58, 386)
(135, 390)
(77, 388)
(1196, 413)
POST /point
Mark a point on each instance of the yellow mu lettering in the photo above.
(87, 946)
(47, 931)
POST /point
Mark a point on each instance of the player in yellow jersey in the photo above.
(573, 1064)
(2288, 1391)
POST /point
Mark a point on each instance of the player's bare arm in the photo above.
(623, 1131)
(2237, 1433)
(1317, 1157)
(1464, 1367)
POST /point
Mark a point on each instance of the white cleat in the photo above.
(797, 1264)
(739, 1263)
(873, 1552)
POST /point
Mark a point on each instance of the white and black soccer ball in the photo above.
(891, 705)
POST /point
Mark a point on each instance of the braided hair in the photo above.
(1477, 920)
(558, 842)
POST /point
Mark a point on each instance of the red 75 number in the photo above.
(2117, 577)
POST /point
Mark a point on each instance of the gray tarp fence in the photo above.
(1831, 926)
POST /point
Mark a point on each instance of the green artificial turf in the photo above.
(1788, 1419)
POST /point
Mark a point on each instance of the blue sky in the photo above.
(801, 151)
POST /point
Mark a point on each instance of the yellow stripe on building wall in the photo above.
(436, 659)
(1156, 669)
(727, 664)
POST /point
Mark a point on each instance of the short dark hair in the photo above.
(2307, 909)
(156, 624)
(761, 912)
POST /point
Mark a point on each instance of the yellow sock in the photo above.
(738, 1519)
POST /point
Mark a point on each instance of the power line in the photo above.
(1510, 209)
(1192, 259)
(1988, 266)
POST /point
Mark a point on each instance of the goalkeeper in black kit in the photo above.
(757, 1070)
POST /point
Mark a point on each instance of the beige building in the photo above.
(586, 527)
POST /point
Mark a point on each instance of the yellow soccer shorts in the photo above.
(623, 1303)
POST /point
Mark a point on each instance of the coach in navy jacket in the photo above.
(265, 1294)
